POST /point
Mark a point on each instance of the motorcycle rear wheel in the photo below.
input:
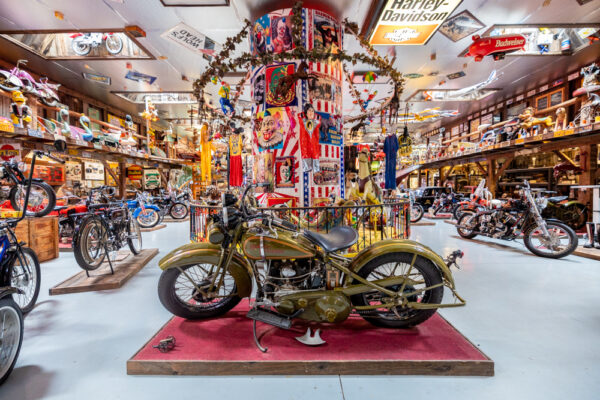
(80, 49)
(89, 244)
(416, 213)
(42, 199)
(180, 296)
(134, 237)
(398, 264)
(557, 230)
(178, 210)
(11, 326)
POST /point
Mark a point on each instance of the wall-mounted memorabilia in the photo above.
(329, 130)
(105, 80)
(460, 26)
(115, 168)
(329, 172)
(134, 173)
(280, 32)
(93, 171)
(73, 171)
(263, 167)
(271, 128)
(326, 32)
(285, 175)
(151, 179)
(10, 151)
(140, 77)
(193, 40)
(273, 75)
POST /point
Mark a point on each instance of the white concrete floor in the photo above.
(538, 319)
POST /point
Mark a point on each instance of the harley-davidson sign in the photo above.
(411, 22)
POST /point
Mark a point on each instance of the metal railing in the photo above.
(390, 220)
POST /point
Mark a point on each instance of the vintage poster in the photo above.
(273, 77)
(109, 179)
(96, 114)
(260, 37)
(281, 32)
(329, 132)
(329, 173)
(134, 173)
(258, 92)
(322, 89)
(151, 179)
(326, 32)
(263, 167)
(93, 171)
(271, 128)
(284, 172)
(114, 120)
(73, 171)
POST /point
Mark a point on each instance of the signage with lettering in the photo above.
(411, 22)
(134, 172)
(10, 151)
(191, 39)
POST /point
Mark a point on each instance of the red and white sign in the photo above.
(10, 151)
(496, 46)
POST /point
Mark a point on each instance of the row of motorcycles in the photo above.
(101, 225)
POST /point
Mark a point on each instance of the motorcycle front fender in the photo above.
(139, 209)
(401, 246)
(198, 253)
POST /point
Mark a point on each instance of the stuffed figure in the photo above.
(226, 105)
(20, 111)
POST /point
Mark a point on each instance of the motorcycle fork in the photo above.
(224, 260)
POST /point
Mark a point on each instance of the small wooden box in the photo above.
(41, 234)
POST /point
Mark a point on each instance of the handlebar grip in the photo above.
(288, 225)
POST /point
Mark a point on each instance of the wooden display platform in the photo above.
(169, 219)
(423, 223)
(126, 266)
(224, 347)
(438, 216)
(154, 228)
(450, 221)
(581, 251)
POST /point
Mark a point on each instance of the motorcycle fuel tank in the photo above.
(283, 246)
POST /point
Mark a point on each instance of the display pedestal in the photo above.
(422, 223)
(224, 346)
(169, 219)
(154, 228)
(125, 266)
(581, 251)
(438, 216)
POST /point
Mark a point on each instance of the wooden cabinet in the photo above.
(41, 234)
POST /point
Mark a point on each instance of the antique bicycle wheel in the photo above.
(11, 333)
(25, 275)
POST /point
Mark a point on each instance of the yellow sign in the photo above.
(411, 22)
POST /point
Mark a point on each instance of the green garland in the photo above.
(218, 67)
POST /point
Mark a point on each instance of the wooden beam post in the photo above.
(163, 177)
(587, 161)
(565, 158)
(480, 167)
(122, 179)
(112, 174)
(491, 177)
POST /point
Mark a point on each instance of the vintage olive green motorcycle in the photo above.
(302, 274)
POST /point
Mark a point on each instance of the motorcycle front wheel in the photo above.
(89, 248)
(11, 329)
(178, 211)
(416, 213)
(148, 218)
(562, 241)
(134, 237)
(178, 292)
(42, 199)
(423, 274)
(80, 48)
(25, 275)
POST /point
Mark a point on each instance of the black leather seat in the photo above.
(338, 238)
(557, 199)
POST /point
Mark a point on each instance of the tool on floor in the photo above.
(309, 340)
(165, 345)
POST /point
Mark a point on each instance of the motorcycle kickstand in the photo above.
(256, 340)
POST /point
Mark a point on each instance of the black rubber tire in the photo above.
(187, 210)
(151, 225)
(573, 241)
(169, 300)
(580, 223)
(133, 225)
(38, 278)
(460, 231)
(78, 242)
(457, 211)
(420, 213)
(46, 188)
(433, 296)
(9, 302)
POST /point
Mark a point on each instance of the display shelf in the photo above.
(520, 183)
(520, 170)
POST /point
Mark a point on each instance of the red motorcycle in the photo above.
(480, 201)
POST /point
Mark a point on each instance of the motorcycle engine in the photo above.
(284, 277)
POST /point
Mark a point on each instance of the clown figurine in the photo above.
(225, 102)
(20, 112)
(309, 138)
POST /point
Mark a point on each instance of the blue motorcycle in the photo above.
(147, 215)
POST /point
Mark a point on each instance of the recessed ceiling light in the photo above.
(59, 15)
(162, 57)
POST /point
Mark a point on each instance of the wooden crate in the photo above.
(41, 234)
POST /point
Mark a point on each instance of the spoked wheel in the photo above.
(134, 237)
(42, 199)
(11, 336)
(8, 82)
(185, 291)
(575, 215)
(90, 249)
(148, 218)
(466, 225)
(561, 242)
(80, 48)
(114, 44)
(416, 212)
(178, 211)
(25, 275)
(419, 278)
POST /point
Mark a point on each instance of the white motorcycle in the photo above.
(83, 43)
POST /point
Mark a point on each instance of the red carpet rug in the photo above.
(225, 346)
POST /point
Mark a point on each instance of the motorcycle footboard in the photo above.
(270, 317)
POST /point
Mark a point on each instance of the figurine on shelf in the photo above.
(150, 113)
(309, 138)
(84, 121)
(226, 105)
(561, 119)
(20, 111)
(528, 121)
(127, 135)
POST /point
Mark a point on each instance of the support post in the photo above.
(122, 179)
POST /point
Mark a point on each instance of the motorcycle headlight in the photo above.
(542, 203)
(215, 234)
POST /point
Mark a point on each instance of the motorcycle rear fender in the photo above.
(198, 253)
(139, 209)
(6, 291)
(570, 203)
(401, 246)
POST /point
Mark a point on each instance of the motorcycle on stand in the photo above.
(18, 79)
(83, 43)
(445, 203)
(545, 238)
(301, 274)
(480, 200)
(19, 280)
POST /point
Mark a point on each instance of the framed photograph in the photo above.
(284, 172)
(460, 26)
